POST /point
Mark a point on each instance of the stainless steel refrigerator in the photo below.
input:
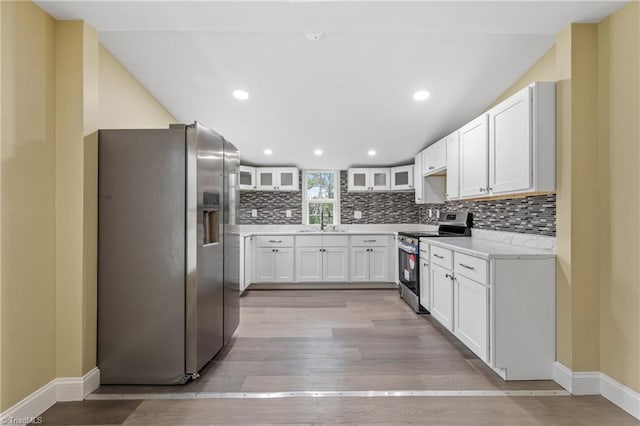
(168, 288)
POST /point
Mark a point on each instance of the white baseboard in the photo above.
(619, 394)
(57, 390)
(597, 383)
(77, 388)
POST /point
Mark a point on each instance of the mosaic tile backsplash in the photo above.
(535, 214)
(531, 215)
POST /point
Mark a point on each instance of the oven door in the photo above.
(408, 267)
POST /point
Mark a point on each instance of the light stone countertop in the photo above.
(489, 249)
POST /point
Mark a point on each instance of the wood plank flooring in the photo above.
(341, 340)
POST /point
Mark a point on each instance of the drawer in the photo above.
(369, 240)
(471, 267)
(274, 241)
(308, 240)
(335, 240)
(424, 250)
(441, 256)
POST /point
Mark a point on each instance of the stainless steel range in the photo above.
(451, 224)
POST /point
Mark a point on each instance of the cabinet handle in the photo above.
(490, 189)
(448, 276)
(438, 256)
(369, 241)
(467, 266)
(482, 189)
(432, 167)
(275, 241)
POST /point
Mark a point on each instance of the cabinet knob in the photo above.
(482, 189)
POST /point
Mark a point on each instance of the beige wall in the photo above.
(140, 110)
(619, 50)
(27, 196)
(58, 86)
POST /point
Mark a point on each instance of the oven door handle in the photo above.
(407, 248)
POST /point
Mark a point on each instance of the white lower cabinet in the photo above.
(425, 288)
(335, 264)
(309, 264)
(442, 296)
(501, 307)
(370, 264)
(471, 315)
(274, 264)
(314, 264)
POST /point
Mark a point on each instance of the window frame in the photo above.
(335, 200)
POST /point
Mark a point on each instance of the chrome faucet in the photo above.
(322, 225)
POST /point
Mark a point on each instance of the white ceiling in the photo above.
(346, 93)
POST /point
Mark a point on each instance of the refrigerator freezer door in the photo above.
(141, 267)
(231, 241)
(205, 292)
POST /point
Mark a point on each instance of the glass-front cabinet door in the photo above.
(380, 179)
(267, 179)
(358, 180)
(288, 179)
(402, 177)
(247, 177)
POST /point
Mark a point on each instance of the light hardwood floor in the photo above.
(341, 340)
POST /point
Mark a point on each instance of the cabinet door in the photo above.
(425, 291)
(417, 178)
(309, 264)
(265, 265)
(284, 265)
(247, 177)
(379, 264)
(440, 154)
(380, 179)
(402, 177)
(288, 179)
(428, 161)
(335, 264)
(471, 315)
(266, 179)
(474, 154)
(453, 166)
(442, 296)
(358, 179)
(359, 264)
(510, 145)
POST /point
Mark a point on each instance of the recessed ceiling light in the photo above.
(268, 152)
(243, 95)
(372, 152)
(421, 95)
(317, 152)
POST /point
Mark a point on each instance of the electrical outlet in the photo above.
(357, 214)
(430, 213)
(438, 213)
(288, 213)
(254, 213)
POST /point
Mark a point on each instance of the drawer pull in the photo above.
(448, 276)
(370, 241)
(438, 256)
(467, 266)
(275, 241)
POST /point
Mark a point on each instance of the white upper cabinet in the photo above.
(247, 177)
(434, 157)
(522, 141)
(453, 166)
(369, 179)
(380, 179)
(277, 179)
(402, 178)
(417, 178)
(474, 161)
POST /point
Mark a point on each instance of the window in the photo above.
(321, 197)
